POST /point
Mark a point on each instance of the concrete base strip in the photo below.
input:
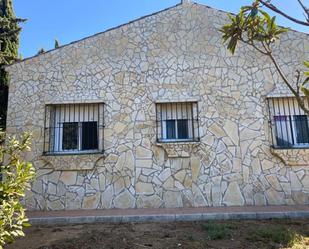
(167, 217)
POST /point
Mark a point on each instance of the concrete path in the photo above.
(170, 214)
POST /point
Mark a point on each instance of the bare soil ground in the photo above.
(216, 234)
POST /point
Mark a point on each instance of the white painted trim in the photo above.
(66, 102)
(179, 100)
(88, 115)
(269, 96)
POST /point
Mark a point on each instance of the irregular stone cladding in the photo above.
(174, 55)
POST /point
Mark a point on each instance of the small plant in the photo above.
(216, 231)
(16, 177)
(275, 234)
(41, 51)
(57, 44)
(190, 237)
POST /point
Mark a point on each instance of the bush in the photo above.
(275, 234)
(217, 231)
(16, 175)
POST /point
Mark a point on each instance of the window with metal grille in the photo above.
(177, 122)
(74, 128)
(289, 123)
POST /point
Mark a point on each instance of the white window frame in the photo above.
(164, 128)
(288, 130)
(59, 146)
(296, 144)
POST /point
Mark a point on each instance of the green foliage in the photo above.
(190, 237)
(17, 175)
(41, 51)
(57, 45)
(9, 42)
(251, 25)
(275, 234)
(2, 137)
(4, 90)
(9, 31)
(216, 231)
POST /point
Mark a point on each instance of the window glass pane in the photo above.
(301, 127)
(182, 128)
(289, 123)
(283, 131)
(65, 131)
(175, 121)
(89, 136)
(70, 136)
(170, 129)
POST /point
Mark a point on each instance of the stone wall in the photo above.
(174, 55)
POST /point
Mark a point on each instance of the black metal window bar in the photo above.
(74, 128)
(288, 122)
(177, 122)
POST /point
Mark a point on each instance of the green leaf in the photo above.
(280, 31)
(265, 15)
(25, 224)
(305, 90)
(18, 174)
(245, 8)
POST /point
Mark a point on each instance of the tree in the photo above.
(9, 42)
(16, 177)
(57, 45)
(41, 51)
(256, 28)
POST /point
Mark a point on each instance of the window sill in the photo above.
(177, 148)
(293, 156)
(178, 141)
(72, 153)
(291, 148)
(70, 161)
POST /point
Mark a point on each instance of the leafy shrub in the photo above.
(190, 237)
(16, 176)
(216, 231)
(275, 234)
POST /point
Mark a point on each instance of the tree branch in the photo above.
(299, 99)
(254, 46)
(275, 9)
(298, 81)
(284, 78)
(305, 9)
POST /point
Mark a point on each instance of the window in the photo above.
(73, 128)
(289, 123)
(177, 122)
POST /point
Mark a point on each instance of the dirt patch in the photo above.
(216, 234)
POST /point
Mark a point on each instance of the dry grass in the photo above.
(250, 234)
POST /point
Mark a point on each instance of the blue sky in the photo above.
(70, 20)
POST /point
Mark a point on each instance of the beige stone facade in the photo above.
(175, 55)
